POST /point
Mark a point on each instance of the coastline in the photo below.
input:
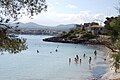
(110, 74)
(73, 40)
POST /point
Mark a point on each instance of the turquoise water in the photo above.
(49, 64)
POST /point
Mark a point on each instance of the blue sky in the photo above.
(74, 11)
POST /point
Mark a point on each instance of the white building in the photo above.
(95, 29)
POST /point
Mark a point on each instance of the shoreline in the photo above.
(110, 74)
(74, 41)
(105, 57)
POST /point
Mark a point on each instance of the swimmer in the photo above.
(37, 51)
(56, 50)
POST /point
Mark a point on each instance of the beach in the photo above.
(111, 74)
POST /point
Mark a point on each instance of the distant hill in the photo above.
(28, 25)
(65, 27)
(32, 25)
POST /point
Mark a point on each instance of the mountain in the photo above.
(65, 27)
(28, 25)
(32, 25)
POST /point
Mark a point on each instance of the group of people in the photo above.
(76, 59)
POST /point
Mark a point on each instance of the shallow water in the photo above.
(49, 64)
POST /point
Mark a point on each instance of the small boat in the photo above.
(12, 35)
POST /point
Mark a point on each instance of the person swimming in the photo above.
(56, 50)
(37, 51)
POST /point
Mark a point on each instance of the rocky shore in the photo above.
(73, 40)
(63, 40)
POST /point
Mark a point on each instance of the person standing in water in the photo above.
(84, 55)
(69, 60)
(77, 57)
(80, 61)
(90, 60)
(95, 52)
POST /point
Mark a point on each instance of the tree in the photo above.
(13, 10)
(113, 28)
(12, 45)
(118, 7)
(17, 8)
(116, 61)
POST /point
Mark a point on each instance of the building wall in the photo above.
(97, 30)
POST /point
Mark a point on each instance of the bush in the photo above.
(116, 62)
(87, 35)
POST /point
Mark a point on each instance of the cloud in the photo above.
(55, 18)
(56, 3)
(99, 16)
(65, 12)
(71, 6)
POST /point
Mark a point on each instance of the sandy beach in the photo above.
(110, 75)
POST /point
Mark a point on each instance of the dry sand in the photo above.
(110, 75)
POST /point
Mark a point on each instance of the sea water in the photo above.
(49, 64)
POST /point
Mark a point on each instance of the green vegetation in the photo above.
(17, 8)
(113, 28)
(112, 25)
(87, 35)
(116, 61)
(11, 10)
(77, 33)
(12, 45)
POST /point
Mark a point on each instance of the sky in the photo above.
(74, 12)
